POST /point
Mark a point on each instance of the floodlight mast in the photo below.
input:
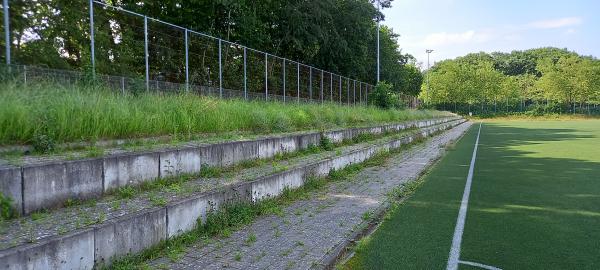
(428, 51)
(378, 10)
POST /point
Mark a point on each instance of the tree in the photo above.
(337, 36)
(411, 80)
(395, 67)
(537, 76)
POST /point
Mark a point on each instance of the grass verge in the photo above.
(46, 114)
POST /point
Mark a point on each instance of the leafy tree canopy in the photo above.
(334, 35)
(548, 75)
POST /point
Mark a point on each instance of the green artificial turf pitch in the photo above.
(534, 203)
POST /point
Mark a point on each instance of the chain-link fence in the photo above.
(129, 51)
(520, 106)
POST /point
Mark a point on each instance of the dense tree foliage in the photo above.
(334, 35)
(542, 80)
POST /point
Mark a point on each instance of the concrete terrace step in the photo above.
(58, 221)
(311, 233)
(87, 235)
(43, 184)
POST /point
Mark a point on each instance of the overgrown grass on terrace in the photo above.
(49, 112)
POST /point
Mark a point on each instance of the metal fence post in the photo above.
(340, 88)
(7, 31)
(245, 77)
(187, 63)
(220, 72)
(360, 93)
(367, 94)
(146, 53)
(348, 90)
(266, 78)
(321, 86)
(298, 82)
(354, 93)
(25, 75)
(330, 87)
(310, 84)
(92, 49)
(123, 85)
(283, 80)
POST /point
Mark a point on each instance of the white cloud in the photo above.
(498, 38)
(444, 38)
(556, 23)
(489, 34)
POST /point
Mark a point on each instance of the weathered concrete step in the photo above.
(58, 221)
(83, 248)
(34, 187)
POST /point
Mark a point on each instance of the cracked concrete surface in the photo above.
(310, 229)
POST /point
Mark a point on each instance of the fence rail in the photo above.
(127, 85)
(128, 51)
(33, 74)
(519, 106)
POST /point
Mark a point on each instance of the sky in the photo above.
(454, 28)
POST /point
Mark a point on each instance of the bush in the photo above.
(6, 209)
(326, 143)
(42, 143)
(281, 122)
(540, 109)
(383, 97)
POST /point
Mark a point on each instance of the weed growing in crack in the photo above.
(158, 200)
(39, 215)
(326, 143)
(238, 256)
(286, 252)
(278, 167)
(126, 192)
(290, 265)
(226, 233)
(260, 256)
(210, 171)
(366, 216)
(6, 209)
(251, 239)
(116, 204)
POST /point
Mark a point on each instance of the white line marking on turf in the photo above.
(489, 267)
(453, 259)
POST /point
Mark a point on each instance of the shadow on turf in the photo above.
(547, 208)
(525, 212)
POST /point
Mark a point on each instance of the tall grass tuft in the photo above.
(65, 114)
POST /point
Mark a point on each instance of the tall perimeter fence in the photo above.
(128, 51)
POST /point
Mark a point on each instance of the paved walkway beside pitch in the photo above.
(310, 229)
